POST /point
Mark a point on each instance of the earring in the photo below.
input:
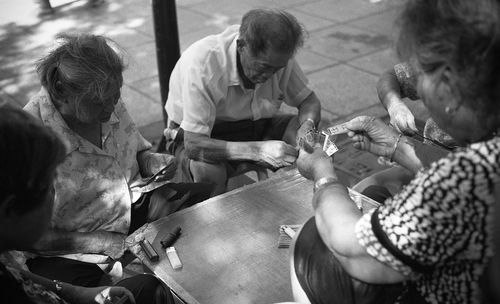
(447, 110)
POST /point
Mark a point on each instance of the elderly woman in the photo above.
(95, 204)
(29, 155)
(431, 242)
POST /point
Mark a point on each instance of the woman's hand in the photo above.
(373, 135)
(401, 118)
(151, 163)
(113, 243)
(316, 164)
(97, 295)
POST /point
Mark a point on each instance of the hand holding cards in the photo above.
(313, 137)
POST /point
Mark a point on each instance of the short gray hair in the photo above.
(264, 29)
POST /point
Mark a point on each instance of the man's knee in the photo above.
(290, 134)
(214, 173)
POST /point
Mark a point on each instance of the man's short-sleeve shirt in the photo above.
(438, 230)
(92, 186)
(205, 86)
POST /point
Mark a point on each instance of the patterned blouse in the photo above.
(92, 186)
(438, 230)
(18, 289)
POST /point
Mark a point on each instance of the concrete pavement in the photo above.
(348, 46)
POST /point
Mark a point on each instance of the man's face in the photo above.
(258, 68)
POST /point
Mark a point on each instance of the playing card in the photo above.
(338, 129)
(329, 147)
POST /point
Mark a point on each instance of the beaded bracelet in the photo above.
(395, 147)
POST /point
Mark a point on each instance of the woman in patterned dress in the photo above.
(431, 242)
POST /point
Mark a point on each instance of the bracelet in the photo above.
(309, 119)
(57, 287)
(323, 182)
(395, 147)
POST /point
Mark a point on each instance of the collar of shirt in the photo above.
(52, 118)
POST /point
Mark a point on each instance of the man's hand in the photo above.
(113, 244)
(372, 135)
(277, 154)
(307, 127)
(315, 164)
(402, 118)
(150, 163)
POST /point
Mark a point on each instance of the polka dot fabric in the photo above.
(438, 230)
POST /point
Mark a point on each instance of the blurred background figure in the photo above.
(47, 9)
(29, 155)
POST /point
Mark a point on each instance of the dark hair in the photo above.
(29, 154)
(263, 29)
(83, 66)
(462, 35)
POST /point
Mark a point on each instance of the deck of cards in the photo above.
(325, 137)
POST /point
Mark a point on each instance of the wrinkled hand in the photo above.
(372, 135)
(99, 295)
(277, 154)
(402, 118)
(307, 127)
(113, 244)
(315, 164)
(154, 162)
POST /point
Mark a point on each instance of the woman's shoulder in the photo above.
(467, 167)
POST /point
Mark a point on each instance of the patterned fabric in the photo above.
(18, 289)
(92, 187)
(205, 86)
(438, 230)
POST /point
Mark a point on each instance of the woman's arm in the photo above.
(336, 217)
(80, 295)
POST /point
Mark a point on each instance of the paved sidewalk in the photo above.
(349, 45)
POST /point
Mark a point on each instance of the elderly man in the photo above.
(225, 92)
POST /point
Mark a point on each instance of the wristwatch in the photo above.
(58, 286)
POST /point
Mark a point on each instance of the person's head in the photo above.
(83, 77)
(29, 155)
(268, 39)
(454, 45)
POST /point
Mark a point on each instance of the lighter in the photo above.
(149, 251)
(173, 258)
